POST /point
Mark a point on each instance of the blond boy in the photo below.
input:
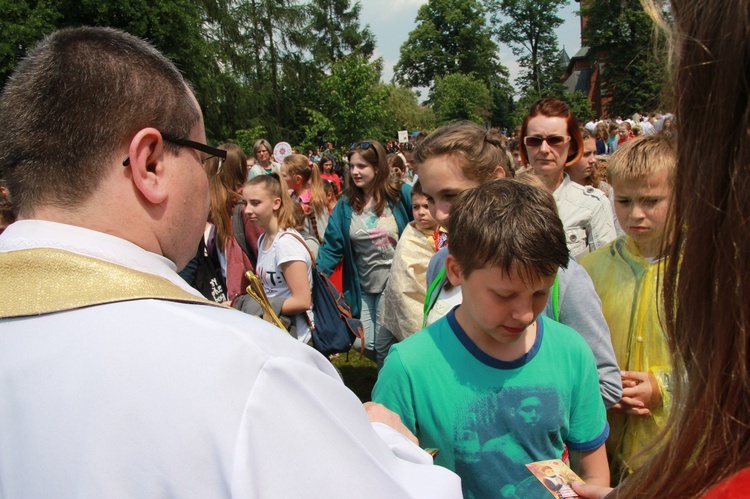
(626, 273)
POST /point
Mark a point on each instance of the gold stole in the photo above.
(42, 281)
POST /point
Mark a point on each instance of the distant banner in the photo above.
(281, 151)
(403, 136)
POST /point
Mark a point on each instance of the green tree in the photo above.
(403, 112)
(579, 105)
(621, 36)
(451, 37)
(22, 24)
(352, 103)
(528, 27)
(250, 61)
(173, 26)
(501, 93)
(577, 101)
(280, 34)
(461, 97)
(246, 138)
(240, 92)
(335, 31)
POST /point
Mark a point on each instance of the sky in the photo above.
(392, 20)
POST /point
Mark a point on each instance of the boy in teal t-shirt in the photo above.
(492, 385)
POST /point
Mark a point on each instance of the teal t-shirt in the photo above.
(489, 418)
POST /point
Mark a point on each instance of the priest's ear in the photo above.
(146, 163)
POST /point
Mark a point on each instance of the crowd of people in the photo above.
(544, 297)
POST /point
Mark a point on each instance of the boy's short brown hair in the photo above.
(509, 225)
(643, 156)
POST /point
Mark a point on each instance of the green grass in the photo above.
(359, 374)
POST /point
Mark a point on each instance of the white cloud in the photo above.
(389, 10)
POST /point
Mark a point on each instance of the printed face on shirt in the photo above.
(585, 166)
(421, 211)
(498, 308)
(362, 172)
(442, 180)
(641, 206)
(547, 161)
(260, 207)
(530, 410)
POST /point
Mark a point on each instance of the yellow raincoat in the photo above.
(403, 298)
(627, 284)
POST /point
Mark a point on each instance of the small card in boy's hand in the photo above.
(555, 476)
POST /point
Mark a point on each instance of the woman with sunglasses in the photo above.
(363, 230)
(551, 140)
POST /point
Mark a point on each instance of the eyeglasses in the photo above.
(212, 152)
(551, 140)
(364, 146)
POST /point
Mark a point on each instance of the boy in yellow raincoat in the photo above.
(626, 273)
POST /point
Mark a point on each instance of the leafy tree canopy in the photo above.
(352, 103)
(621, 36)
(335, 31)
(403, 112)
(528, 27)
(461, 97)
(451, 37)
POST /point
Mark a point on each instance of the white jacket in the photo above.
(586, 215)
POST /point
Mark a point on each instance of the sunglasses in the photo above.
(364, 146)
(551, 140)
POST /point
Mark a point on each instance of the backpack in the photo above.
(333, 328)
(208, 279)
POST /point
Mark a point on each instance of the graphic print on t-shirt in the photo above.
(378, 231)
(271, 279)
(499, 433)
